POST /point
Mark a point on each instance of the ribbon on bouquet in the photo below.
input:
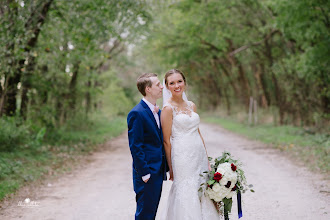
(239, 204)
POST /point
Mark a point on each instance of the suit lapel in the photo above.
(160, 124)
(146, 107)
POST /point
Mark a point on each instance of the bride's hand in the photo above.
(171, 175)
(210, 169)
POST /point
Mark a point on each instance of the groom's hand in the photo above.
(146, 178)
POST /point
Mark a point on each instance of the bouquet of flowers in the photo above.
(225, 180)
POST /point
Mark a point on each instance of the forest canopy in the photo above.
(274, 51)
(62, 58)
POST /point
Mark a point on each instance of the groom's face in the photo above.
(156, 89)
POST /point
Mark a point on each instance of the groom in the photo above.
(146, 144)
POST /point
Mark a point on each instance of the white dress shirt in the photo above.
(151, 106)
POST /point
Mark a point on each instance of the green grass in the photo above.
(96, 130)
(32, 160)
(312, 149)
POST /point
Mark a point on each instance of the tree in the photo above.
(276, 51)
(56, 52)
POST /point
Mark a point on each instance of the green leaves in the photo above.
(75, 35)
(274, 51)
(227, 205)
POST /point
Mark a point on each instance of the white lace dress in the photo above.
(189, 159)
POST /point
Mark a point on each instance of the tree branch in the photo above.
(36, 29)
(213, 47)
(326, 18)
(253, 44)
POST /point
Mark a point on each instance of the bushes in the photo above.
(38, 150)
(12, 134)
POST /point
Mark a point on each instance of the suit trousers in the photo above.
(147, 195)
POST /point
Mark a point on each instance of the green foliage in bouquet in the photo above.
(227, 204)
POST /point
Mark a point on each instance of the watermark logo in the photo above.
(28, 203)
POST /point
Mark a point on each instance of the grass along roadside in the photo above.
(312, 149)
(29, 163)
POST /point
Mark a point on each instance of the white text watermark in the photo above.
(28, 203)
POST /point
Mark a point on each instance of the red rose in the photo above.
(233, 167)
(234, 188)
(228, 184)
(217, 176)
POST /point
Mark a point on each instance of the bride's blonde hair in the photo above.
(173, 71)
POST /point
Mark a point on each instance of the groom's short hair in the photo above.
(144, 81)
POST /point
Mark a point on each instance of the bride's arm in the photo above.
(195, 110)
(166, 118)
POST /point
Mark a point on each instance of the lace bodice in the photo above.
(185, 120)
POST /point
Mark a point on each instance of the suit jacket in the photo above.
(146, 141)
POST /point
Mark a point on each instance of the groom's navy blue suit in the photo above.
(146, 145)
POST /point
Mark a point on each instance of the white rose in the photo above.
(216, 187)
(224, 191)
(232, 176)
(231, 194)
(217, 198)
(210, 193)
(223, 167)
(224, 180)
(213, 195)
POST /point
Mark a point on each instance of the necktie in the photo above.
(156, 109)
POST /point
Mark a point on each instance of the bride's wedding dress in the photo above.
(189, 160)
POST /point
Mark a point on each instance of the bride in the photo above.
(185, 152)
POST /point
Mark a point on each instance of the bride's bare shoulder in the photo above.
(166, 114)
(193, 106)
(167, 109)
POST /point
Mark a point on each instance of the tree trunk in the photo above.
(324, 91)
(96, 104)
(88, 97)
(26, 85)
(73, 85)
(44, 92)
(3, 96)
(215, 80)
(279, 96)
(263, 81)
(227, 102)
(230, 80)
(36, 27)
(215, 91)
(242, 76)
(8, 98)
(260, 91)
(0, 90)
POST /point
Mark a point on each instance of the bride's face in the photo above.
(176, 84)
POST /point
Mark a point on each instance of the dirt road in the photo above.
(102, 189)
